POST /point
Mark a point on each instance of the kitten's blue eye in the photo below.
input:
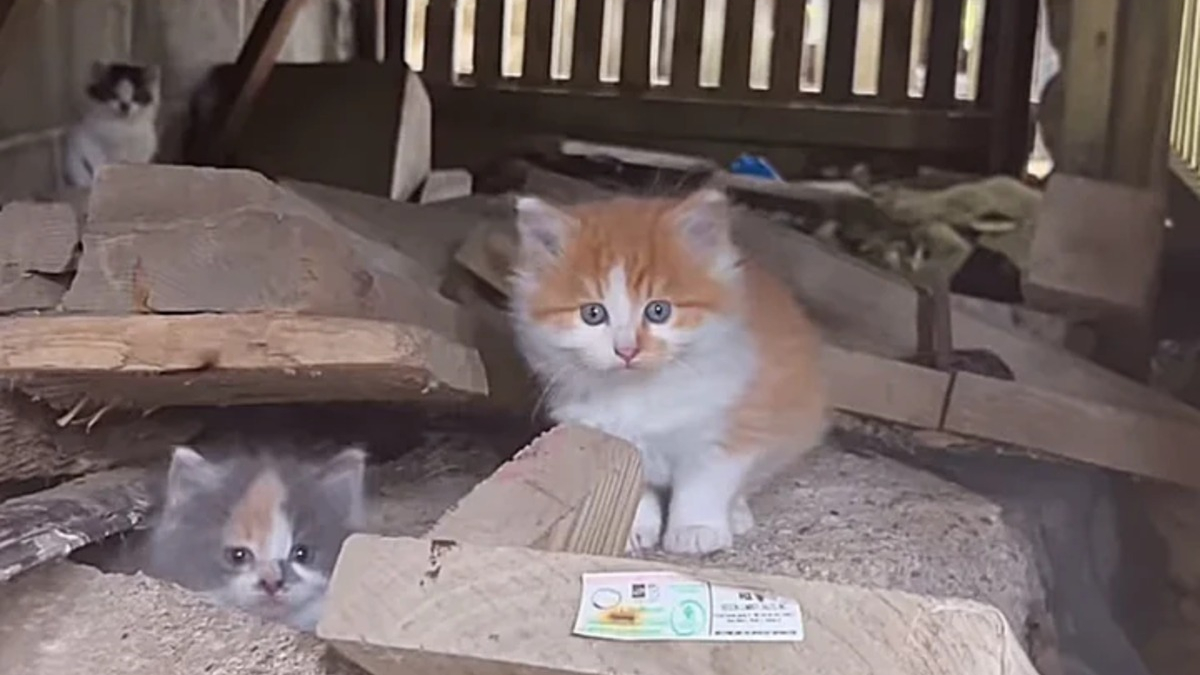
(658, 311)
(301, 554)
(238, 555)
(593, 314)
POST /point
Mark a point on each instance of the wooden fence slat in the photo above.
(735, 53)
(685, 54)
(439, 42)
(635, 45)
(839, 50)
(365, 19)
(395, 30)
(589, 32)
(489, 41)
(896, 49)
(991, 49)
(945, 28)
(1006, 71)
(786, 47)
(539, 35)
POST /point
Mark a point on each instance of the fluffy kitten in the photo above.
(119, 121)
(641, 319)
(257, 532)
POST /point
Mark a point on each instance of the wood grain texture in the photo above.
(1075, 429)
(50, 524)
(38, 237)
(885, 389)
(454, 608)
(572, 489)
(150, 361)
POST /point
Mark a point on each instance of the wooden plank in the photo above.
(786, 49)
(439, 41)
(572, 489)
(589, 34)
(840, 45)
(1076, 429)
(685, 53)
(252, 68)
(539, 34)
(49, 525)
(885, 389)
(635, 46)
(1088, 72)
(735, 52)
(945, 30)
(38, 237)
(453, 607)
(660, 118)
(489, 43)
(896, 50)
(395, 31)
(150, 361)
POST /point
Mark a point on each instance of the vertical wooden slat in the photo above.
(735, 52)
(1186, 47)
(1010, 51)
(786, 47)
(366, 29)
(589, 32)
(839, 50)
(395, 31)
(251, 70)
(539, 35)
(635, 45)
(685, 56)
(896, 49)
(990, 48)
(439, 41)
(489, 40)
(945, 28)
(1088, 77)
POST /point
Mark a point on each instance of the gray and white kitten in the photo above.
(256, 531)
(119, 124)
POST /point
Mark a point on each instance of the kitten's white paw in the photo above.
(647, 525)
(697, 539)
(741, 519)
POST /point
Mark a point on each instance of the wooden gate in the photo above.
(633, 71)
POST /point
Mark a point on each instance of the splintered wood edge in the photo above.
(451, 607)
(164, 344)
(48, 525)
(571, 489)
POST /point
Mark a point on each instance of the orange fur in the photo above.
(253, 518)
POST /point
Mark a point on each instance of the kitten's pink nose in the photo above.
(627, 354)
(270, 586)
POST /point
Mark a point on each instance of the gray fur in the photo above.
(189, 540)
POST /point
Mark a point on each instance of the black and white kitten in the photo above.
(118, 124)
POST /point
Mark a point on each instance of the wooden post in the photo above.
(251, 70)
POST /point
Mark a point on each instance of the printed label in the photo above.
(670, 606)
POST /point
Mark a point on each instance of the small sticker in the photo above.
(670, 606)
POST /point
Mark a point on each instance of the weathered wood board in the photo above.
(50, 524)
(149, 361)
(572, 489)
(38, 244)
(454, 607)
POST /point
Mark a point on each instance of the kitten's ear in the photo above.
(342, 478)
(189, 473)
(542, 229)
(705, 219)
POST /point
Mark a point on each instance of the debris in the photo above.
(444, 184)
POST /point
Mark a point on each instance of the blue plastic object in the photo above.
(753, 165)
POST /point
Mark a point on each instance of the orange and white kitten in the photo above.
(641, 319)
